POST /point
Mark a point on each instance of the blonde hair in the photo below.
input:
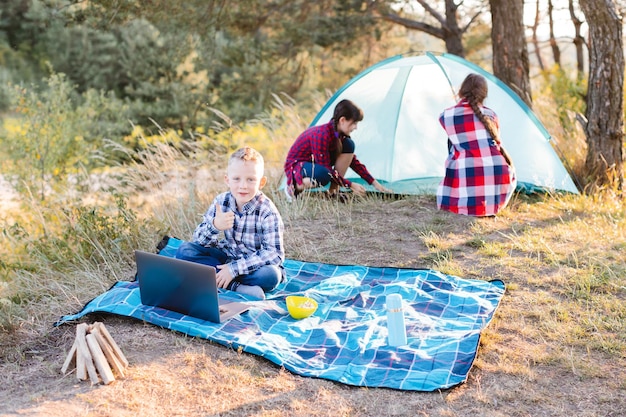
(247, 154)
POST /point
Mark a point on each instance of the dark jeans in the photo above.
(266, 277)
(320, 175)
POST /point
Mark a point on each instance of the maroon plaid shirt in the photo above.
(314, 145)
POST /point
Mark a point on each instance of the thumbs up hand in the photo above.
(223, 220)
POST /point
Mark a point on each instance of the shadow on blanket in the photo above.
(345, 340)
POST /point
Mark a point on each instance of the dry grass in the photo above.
(556, 346)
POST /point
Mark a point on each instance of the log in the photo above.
(107, 336)
(83, 350)
(71, 358)
(81, 364)
(113, 360)
(95, 354)
(99, 360)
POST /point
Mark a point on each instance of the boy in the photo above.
(249, 258)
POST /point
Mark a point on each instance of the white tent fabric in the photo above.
(400, 139)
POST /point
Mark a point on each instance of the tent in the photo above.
(400, 139)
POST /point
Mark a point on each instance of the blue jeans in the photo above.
(320, 175)
(266, 277)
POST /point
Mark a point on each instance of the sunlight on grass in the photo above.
(436, 227)
(440, 256)
(494, 250)
(443, 261)
(535, 244)
(476, 242)
(434, 241)
(588, 281)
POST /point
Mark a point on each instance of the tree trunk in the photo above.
(604, 113)
(556, 51)
(510, 55)
(579, 41)
(535, 40)
(453, 35)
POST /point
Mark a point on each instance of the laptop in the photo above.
(185, 287)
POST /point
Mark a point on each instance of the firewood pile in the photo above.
(95, 354)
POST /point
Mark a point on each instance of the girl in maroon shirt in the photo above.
(322, 155)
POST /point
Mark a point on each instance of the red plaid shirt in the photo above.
(314, 145)
(478, 180)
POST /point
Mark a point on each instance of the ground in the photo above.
(519, 371)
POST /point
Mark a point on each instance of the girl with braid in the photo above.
(480, 177)
(322, 154)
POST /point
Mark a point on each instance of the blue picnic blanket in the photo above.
(345, 340)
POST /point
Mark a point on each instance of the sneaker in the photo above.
(291, 192)
(251, 290)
